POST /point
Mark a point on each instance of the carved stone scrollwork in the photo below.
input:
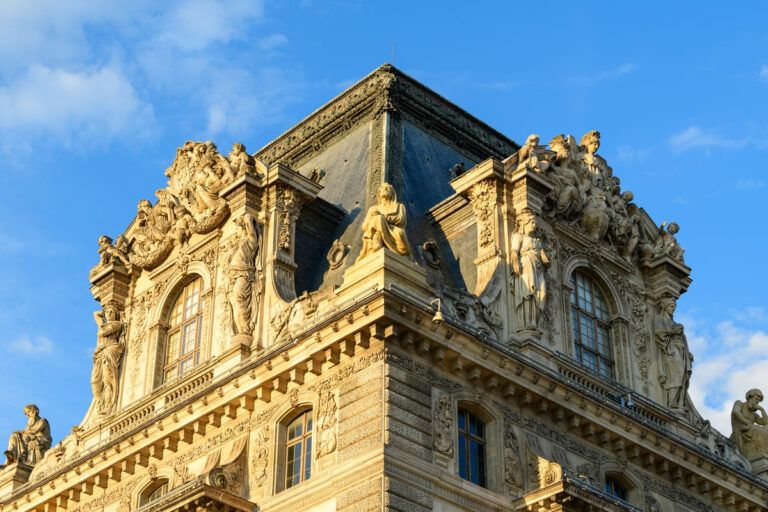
(513, 470)
(442, 425)
(482, 198)
(327, 424)
(288, 205)
(260, 456)
(337, 254)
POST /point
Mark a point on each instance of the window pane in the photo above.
(481, 464)
(474, 468)
(462, 421)
(463, 457)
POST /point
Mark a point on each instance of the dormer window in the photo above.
(185, 332)
(590, 323)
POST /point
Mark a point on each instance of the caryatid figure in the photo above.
(676, 359)
(110, 345)
(528, 260)
(245, 276)
(384, 225)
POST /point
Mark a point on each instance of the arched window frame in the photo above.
(153, 491)
(159, 330)
(633, 490)
(307, 463)
(590, 315)
(494, 426)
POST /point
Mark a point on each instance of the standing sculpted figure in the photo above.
(676, 359)
(384, 225)
(749, 422)
(594, 163)
(570, 187)
(110, 344)
(245, 276)
(29, 445)
(528, 265)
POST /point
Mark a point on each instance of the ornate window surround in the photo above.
(280, 459)
(618, 321)
(161, 316)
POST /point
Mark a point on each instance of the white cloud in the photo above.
(731, 358)
(37, 346)
(73, 106)
(632, 154)
(695, 137)
(272, 42)
(196, 24)
(602, 76)
(763, 75)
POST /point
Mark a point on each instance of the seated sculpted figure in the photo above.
(29, 445)
(384, 225)
(750, 426)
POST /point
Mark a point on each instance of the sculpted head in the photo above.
(526, 221)
(532, 140)
(627, 196)
(104, 241)
(31, 411)
(144, 206)
(591, 141)
(387, 192)
(238, 148)
(754, 397)
(559, 146)
(110, 313)
(668, 304)
(673, 228)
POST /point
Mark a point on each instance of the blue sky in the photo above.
(95, 97)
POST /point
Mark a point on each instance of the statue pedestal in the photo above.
(13, 476)
(242, 342)
(760, 467)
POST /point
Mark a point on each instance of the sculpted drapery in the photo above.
(245, 274)
(676, 359)
(384, 225)
(29, 445)
(110, 346)
(528, 266)
(749, 422)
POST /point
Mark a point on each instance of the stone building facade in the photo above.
(392, 306)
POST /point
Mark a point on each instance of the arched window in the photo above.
(471, 443)
(185, 331)
(153, 492)
(617, 488)
(590, 319)
(297, 450)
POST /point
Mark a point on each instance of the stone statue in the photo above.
(666, 243)
(110, 254)
(594, 163)
(571, 186)
(110, 345)
(531, 156)
(528, 266)
(676, 359)
(29, 445)
(596, 216)
(384, 225)
(240, 161)
(749, 422)
(244, 271)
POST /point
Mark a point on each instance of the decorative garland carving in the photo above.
(482, 198)
(326, 424)
(442, 422)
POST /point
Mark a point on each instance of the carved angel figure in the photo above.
(240, 161)
(384, 225)
(245, 275)
(676, 359)
(528, 266)
(109, 254)
(667, 243)
(749, 422)
(110, 345)
(29, 445)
